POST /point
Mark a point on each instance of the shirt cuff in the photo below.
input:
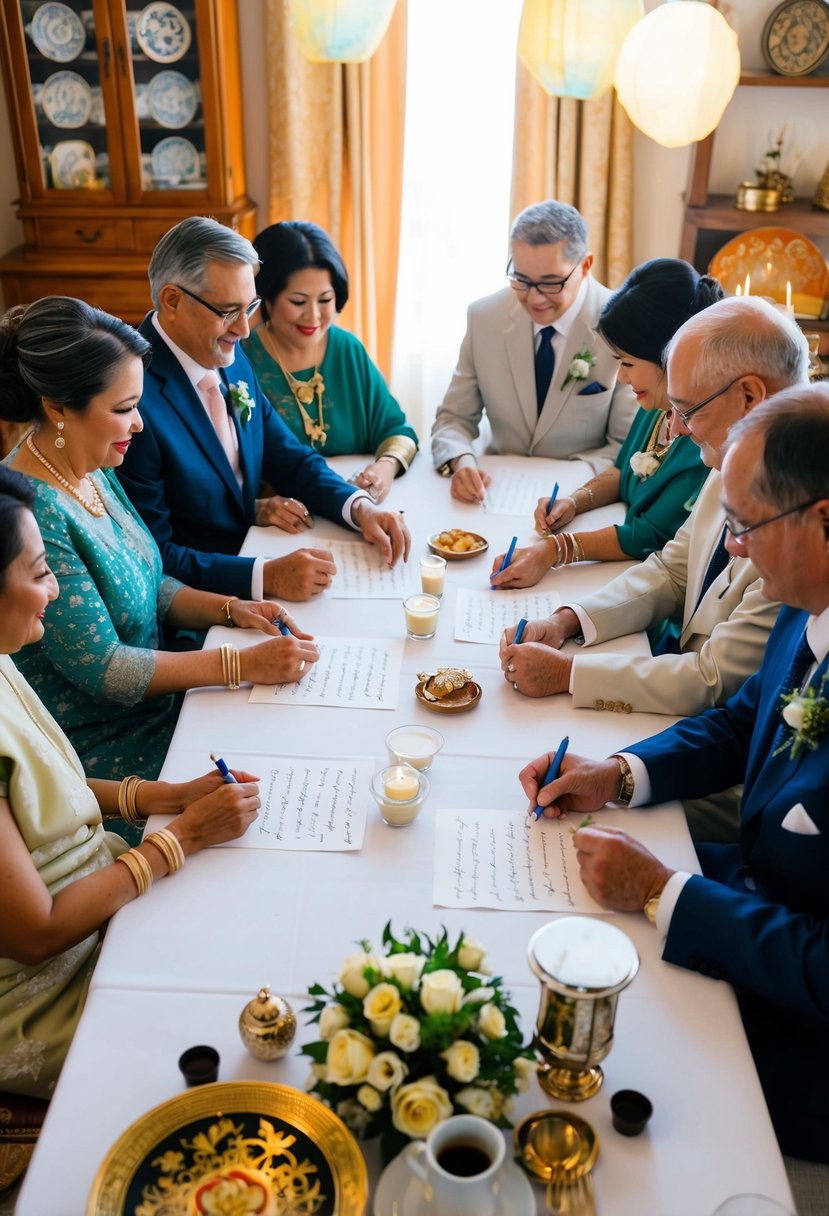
(588, 629)
(257, 580)
(349, 503)
(641, 779)
(668, 900)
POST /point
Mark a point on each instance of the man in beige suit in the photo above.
(532, 361)
(721, 363)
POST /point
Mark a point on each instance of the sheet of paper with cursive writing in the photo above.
(516, 493)
(362, 574)
(504, 859)
(307, 803)
(482, 616)
(352, 673)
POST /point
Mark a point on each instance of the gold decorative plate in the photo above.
(482, 544)
(457, 702)
(773, 257)
(796, 37)
(245, 1146)
(589, 1143)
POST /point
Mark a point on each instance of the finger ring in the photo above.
(302, 667)
(510, 667)
(281, 616)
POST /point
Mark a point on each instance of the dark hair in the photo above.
(16, 495)
(61, 349)
(654, 300)
(294, 245)
(794, 425)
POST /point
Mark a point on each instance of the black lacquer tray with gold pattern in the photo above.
(233, 1146)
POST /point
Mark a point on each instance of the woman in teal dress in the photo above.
(658, 477)
(317, 376)
(100, 666)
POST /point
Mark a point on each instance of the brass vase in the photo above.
(267, 1025)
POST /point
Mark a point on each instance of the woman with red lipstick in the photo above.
(657, 476)
(77, 374)
(317, 376)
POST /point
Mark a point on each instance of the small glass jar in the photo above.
(414, 745)
(399, 791)
(421, 616)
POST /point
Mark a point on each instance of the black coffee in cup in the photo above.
(464, 1160)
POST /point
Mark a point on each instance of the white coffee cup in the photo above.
(460, 1166)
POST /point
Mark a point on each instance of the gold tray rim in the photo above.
(587, 1159)
(306, 1113)
(458, 557)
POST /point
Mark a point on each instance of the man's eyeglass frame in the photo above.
(227, 318)
(689, 413)
(739, 533)
(518, 283)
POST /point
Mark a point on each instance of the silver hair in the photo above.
(794, 427)
(550, 222)
(182, 254)
(743, 336)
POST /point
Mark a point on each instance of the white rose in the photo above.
(441, 992)
(418, 1107)
(352, 977)
(404, 968)
(523, 1069)
(491, 1022)
(404, 1032)
(471, 955)
(387, 1071)
(643, 464)
(379, 1007)
(332, 1019)
(476, 1101)
(463, 1061)
(368, 1097)
(794, 715)
(348, 1058)
(478, 995)
(579, 369)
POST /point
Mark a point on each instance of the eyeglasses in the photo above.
(228, 318)
(689, 413)
(739, 533)
(549, 288)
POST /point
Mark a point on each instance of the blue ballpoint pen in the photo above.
(519, 632)
(508, 556)
(223, 769)
(552, 771)
(553, 498)
(283, 629)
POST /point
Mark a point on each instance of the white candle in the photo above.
(421, 615)
(432, 572)
(414, 745)
(789, 297)
(399, 792)
(400, 783)
(747, 288)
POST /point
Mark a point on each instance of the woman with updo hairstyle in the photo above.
(100, 666)
(657, 476)
(317, 376)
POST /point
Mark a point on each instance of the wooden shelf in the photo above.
(720, 213)
(771, 80)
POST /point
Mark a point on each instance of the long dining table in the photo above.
(178, 965)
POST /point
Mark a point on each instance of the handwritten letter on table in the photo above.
(504, 859)
(353, 673)
(482, 616)
(362, 574)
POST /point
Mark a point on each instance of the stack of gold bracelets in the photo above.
(167, 843)
(231, 665)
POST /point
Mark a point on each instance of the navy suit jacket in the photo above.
(760, 916)
(177, 475)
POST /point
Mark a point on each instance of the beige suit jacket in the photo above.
(722, 641)
(496, 373)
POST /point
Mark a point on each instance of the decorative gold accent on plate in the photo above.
(457, 702)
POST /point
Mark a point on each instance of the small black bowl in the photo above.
(631, 1111)
(199, 1065)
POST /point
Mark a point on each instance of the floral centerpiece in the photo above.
(413, 1035)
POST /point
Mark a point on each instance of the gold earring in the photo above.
(60, 442)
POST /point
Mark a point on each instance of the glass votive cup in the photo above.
(199, 1065)
(414, 745)
(421, 616)
(399, 791)
(432, 574)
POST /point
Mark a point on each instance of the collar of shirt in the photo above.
(192, 370)
(817, 633)
(567, 320)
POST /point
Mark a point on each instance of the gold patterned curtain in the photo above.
(336, 158)
(580, 152)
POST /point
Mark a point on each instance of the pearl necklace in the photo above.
(95, 507)
(304, 392)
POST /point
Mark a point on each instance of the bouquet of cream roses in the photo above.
(413, 1035)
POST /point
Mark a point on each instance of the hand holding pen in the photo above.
(507, 558)
(552, 773)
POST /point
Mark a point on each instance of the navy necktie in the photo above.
(802, 660)
(545, 362)
(719, 561)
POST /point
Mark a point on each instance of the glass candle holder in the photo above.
(414, 745)
(421, 616)
(399, 791)
(432, 574)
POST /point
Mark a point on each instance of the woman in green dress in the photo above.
(317, 376)
(658, 477)
(60, 885)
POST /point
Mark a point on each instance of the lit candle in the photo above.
(739, 290)
(789, 297)
(399, 793)
(747, 288)
(400, 784)
(421, 615)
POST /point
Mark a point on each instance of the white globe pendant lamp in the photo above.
(340, 31)
(570, 46)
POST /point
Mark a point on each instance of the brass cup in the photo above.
(751, 197)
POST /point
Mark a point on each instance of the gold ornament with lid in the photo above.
(267, 1025)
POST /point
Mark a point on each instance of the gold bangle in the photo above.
(231, 665)
(127, 796)
(139, 868)
(401, 447)
(231, 624)
(626, 786)
(169, 846)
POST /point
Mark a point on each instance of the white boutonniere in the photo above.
(644, 464)
(241, 398)
(580, 366)
(807, 716)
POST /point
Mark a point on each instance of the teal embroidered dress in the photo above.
(359, 412)
(97, 654)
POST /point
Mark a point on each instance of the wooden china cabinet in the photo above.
(126, 117)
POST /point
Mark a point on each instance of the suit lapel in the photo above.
(246, 451)
(581, 335)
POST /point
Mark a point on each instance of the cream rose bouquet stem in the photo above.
(413, 1034)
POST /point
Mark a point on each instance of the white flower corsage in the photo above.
(807, 716)
(580, 366)
(644, 464)
(241, 398)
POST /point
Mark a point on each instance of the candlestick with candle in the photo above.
(399, 791)
(747, 286)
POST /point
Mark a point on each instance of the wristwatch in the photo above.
(626, 788)
(651, 908)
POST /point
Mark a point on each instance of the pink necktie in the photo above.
(217, 408)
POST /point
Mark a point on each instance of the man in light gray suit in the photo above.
(721, 363)
(532, 361)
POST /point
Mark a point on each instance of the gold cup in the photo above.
(751, 197)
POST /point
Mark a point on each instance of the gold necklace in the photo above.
(653, 446)
(95, 507)
(304, 392)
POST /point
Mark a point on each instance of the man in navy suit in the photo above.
(759, 915)
(210, 436)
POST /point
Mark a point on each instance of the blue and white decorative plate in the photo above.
(67, 100)
(162, 32)
(96, 113)
(175, 160)
(73, 164)
(172, 99)
(58, 32)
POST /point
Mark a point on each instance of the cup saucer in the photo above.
(399, 1193)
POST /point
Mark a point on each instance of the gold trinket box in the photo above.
(751, 197)
(267, 1025)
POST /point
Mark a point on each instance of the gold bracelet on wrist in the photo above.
(139, 868)
(169, 846)
(398, 447)
(127, 800)
(626, 786)
(231, 624)
(231, 665)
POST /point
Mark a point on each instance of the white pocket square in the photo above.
(800, 821)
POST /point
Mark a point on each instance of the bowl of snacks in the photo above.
(455, 544)
(449, 690)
